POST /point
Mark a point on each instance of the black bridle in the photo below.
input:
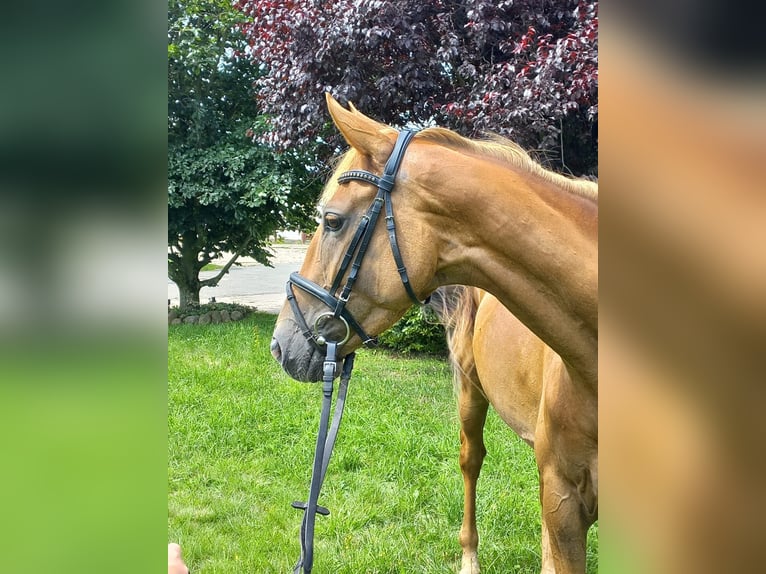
(356, 252)
(351, 263)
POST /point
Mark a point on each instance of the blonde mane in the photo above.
(496, 147)
(510, 152)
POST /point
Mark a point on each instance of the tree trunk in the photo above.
(183, 269)
(184, 266)
(188, 295)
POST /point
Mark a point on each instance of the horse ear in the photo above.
(367, 136)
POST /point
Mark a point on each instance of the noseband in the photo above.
(356, 252)
(338, 312)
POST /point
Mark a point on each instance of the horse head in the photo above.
(351, 286)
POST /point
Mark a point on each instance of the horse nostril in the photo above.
(276, 352)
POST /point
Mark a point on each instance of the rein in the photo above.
(351, 263)
(324, 446)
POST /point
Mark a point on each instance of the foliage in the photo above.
(225, 194)
(241, 437)
(419, 331)
(522, 68)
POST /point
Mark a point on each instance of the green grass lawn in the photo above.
(241, 436)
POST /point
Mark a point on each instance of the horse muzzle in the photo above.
(299, 358)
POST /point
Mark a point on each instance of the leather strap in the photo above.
(400, 267)
(359, 174)
(373, 212)
(364, 224)
(324, 447)
(385, 185)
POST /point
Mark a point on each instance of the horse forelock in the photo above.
(339, 164)
(502, 149)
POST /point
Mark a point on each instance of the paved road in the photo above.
(253, 284)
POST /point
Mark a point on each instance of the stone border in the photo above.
(211, 317)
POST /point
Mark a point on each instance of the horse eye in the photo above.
(332, 222)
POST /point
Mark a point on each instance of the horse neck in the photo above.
(533, 245)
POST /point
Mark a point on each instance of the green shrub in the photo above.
(419, 331)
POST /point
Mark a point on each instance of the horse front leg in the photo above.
(472, 407)
(548, 567)
(569, 506)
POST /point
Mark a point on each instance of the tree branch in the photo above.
(213, 281)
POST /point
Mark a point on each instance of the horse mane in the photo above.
(456, 306)
(495, 147)
(507, 151)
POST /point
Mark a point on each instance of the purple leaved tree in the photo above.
(524, 69)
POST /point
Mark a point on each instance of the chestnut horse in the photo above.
(466, 212)
(496, 361)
